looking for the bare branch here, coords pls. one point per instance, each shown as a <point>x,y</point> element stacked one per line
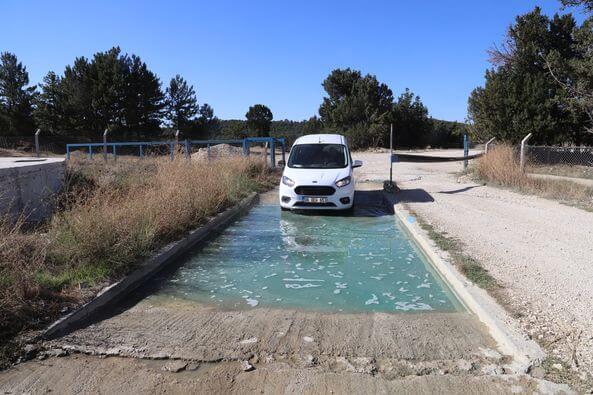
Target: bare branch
<point>503,55</point>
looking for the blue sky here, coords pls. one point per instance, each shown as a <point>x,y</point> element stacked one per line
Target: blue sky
<point>274,52</point>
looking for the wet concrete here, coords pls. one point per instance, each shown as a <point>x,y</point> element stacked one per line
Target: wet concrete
<point>83,374</point>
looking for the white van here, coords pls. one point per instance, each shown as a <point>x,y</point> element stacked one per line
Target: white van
<point>318,175</point>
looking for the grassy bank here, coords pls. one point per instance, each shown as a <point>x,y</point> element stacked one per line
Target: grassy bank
<point>500,166</point>
<point>109,218</point>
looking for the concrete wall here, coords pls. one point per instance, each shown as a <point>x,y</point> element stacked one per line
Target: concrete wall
<point>27,185</point>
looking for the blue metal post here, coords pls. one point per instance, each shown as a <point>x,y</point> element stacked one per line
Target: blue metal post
<point>90,152</point>
<point>465,151</point>
<point>283,152</point>
<point>172,148</point>
<point>114,153</point>
<point>273,152</point>
<point>187,148</point>
<point>67,151</point>
<point>141,151</point>
<point>245,147</point>
<point>208,148</point>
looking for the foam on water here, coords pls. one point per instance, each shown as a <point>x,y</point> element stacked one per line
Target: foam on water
<point>271,258</point>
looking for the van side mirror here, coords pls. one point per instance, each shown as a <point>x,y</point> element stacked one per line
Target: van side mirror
<point>357,163</point>
<point>281,163</point>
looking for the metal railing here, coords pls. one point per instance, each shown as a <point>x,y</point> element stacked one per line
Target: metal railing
<point>174,147</point>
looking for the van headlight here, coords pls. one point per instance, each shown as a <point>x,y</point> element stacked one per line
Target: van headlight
<point>343,182</point>
<point>287,181</point>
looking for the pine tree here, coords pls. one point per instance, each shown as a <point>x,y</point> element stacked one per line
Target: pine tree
<point>181,104</point>
<point>49,110</point>
<point>259,120</point>
<point>520,96</point>
<point>143,98</point>
<point>16,97</point>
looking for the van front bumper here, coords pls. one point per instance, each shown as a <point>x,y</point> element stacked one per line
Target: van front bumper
<point>341,199</point>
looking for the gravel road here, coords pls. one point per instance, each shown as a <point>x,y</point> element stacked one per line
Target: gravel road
<point>541,251</point>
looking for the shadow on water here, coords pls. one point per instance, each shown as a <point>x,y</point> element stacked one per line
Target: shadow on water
<point>372,203</point>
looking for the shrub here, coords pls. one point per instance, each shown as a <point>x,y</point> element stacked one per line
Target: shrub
<point>501,166</point>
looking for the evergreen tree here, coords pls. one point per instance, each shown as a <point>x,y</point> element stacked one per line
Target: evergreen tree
<point>588,4</point>
<point>181,104</point>
<point>77,87</point>
<point>520,96</point>
<point>143,98</point>
<point>359,107</point>
<point>49,110</point>
<point>312,126</point>
<point>16,97</point>
<point>411,123</point>
<point>259,120</point>
<point>205,125</point>
<point>112,91</point>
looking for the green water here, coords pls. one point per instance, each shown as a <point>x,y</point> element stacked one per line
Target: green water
<point>271,258</point>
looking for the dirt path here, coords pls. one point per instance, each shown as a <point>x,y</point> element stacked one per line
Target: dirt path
<point>541,251</point>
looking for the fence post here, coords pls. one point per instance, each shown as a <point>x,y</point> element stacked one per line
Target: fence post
<point>208,149</point>
<point>283,151</point>
<point>67,151</point>
<point>187,148</point>
<point>37,142</point>
<point>114,153</point>
<point>465,151</point>
<point>141,152</point>
<point>105,145</point>
<point>90,152</point>
<point>522,159</point>
<point>245,147</point>
<point>488,144</point>
<point>172,149</point>
<point>273,152</point>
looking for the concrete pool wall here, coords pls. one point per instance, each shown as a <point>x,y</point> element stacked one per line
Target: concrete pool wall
<point>27,185</point>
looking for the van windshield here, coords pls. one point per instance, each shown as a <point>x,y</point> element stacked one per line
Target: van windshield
<point>318,156</point>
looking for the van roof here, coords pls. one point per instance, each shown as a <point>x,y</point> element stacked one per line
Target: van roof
<point>321,139</point>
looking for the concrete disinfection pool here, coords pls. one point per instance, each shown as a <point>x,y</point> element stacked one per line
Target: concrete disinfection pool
<point>353,263</point>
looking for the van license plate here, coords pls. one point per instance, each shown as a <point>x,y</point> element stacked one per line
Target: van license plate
<point>308,199</point>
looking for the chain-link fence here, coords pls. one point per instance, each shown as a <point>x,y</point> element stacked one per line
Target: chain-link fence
<point>574,162</point>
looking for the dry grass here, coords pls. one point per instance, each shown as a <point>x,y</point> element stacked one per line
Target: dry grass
<point>109,218</point>
<point>500,166</point>
<point>585,172</point>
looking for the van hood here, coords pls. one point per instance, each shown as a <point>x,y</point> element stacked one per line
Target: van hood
<point>316,176</point>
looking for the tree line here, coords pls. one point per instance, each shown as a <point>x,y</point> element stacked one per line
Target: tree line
<point>113,91</point>
<point>118,92</point>
<point>362,108</point>
<point>541,82</point>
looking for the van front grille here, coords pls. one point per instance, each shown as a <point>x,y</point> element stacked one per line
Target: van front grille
<point>314,190</point>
